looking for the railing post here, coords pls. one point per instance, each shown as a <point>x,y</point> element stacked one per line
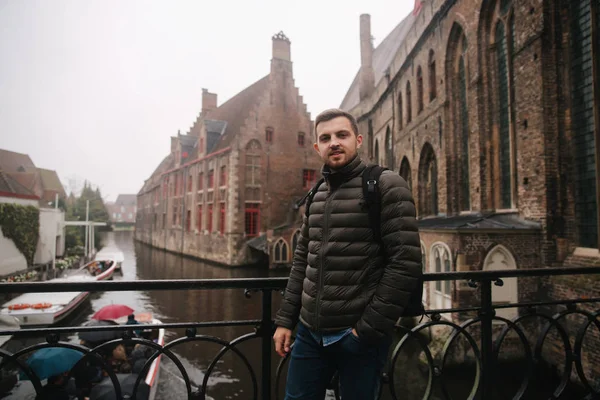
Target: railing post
<point>267,344</point>
<point>487,349</point>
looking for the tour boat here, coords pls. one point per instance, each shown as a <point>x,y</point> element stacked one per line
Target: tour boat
<point>155,335</point>
<point>99,270</point>
<point>112,254</point>
<point>43,309</point>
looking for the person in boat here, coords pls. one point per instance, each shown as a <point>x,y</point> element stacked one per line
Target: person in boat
<point>118,360</point>
<point>94,268</point>
<point>132,321</point>
<point>58,387</point>
<point>121,363</point>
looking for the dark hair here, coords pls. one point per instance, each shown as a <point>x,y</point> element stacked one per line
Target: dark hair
<point>332,113</point>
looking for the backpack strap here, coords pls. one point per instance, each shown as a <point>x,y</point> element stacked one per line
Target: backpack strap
<point>308,197</point>
<point>372,196</point>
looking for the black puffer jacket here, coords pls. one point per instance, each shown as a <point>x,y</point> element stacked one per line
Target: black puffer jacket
<point>340,277</point>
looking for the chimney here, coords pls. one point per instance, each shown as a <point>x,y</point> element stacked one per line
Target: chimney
<point>366,83</point>
<point>281,47</point>
<point>209,101</point>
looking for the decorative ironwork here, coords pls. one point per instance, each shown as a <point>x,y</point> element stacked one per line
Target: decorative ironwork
<point>476,331</point>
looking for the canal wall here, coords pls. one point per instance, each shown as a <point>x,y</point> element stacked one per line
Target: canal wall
<point>228,249</point>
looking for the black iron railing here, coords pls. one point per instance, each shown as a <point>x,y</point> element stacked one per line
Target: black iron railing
<point>483,335</point>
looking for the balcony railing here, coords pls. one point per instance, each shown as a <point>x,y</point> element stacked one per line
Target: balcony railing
<point>483,335</point>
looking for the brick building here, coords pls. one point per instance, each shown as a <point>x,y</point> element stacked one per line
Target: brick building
<point>123,211</point>
<point>236,174</point>
<point>489,109</point>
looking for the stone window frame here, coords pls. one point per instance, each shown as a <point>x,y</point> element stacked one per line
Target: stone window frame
<point>432,76</point>
<point>428,174</point>
<point>408,103</point>
<point>269,133</point>
<point>400,110</point>
<point>501,15</point>
<point>281,252</point>
<point>252,209</point>
<point>586,229</point>
<point>405,171</point>
<point>441,251</point>
<point>389,148</point>
<point>223,176</point>
<point>457,70</point>
<point>420,102</point>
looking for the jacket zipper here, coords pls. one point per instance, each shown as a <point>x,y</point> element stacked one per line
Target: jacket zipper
<point>323,245</point>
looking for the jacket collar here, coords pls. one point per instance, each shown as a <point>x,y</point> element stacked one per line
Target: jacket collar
<point>336,177</point>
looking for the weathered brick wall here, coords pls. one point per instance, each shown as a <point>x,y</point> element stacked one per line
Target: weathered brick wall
<point>279,107</point>
<point>536,98</point>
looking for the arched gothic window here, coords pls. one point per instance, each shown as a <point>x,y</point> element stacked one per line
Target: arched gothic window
<point>498,25</point>
<point>419,90</point>
<point>405,171</point>
<point>389,152</point>
<point>408,103</point>
<point>457,86</point>
<point>280,252</point>
<point>432,76</point>
<point>428,189</point>
<point>441,261</point>
<point>400,111</point>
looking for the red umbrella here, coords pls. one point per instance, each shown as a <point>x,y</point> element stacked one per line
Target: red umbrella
<point>112,311</point>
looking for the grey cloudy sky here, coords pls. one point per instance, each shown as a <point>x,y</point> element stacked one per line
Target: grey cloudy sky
<point>94,88</point>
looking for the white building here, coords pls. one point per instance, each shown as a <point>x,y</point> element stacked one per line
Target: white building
<point>51,228</point>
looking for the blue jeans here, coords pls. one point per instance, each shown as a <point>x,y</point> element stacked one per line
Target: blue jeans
<point>312,367</point>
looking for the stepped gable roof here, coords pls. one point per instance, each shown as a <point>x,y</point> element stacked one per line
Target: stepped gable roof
<point>235,111</point>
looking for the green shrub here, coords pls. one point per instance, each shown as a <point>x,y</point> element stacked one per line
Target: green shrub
<point>21,224</point>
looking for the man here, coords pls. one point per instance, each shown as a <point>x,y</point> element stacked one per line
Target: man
<point>345,289</point>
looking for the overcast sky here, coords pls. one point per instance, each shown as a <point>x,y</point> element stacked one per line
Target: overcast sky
<point>94,89</point>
